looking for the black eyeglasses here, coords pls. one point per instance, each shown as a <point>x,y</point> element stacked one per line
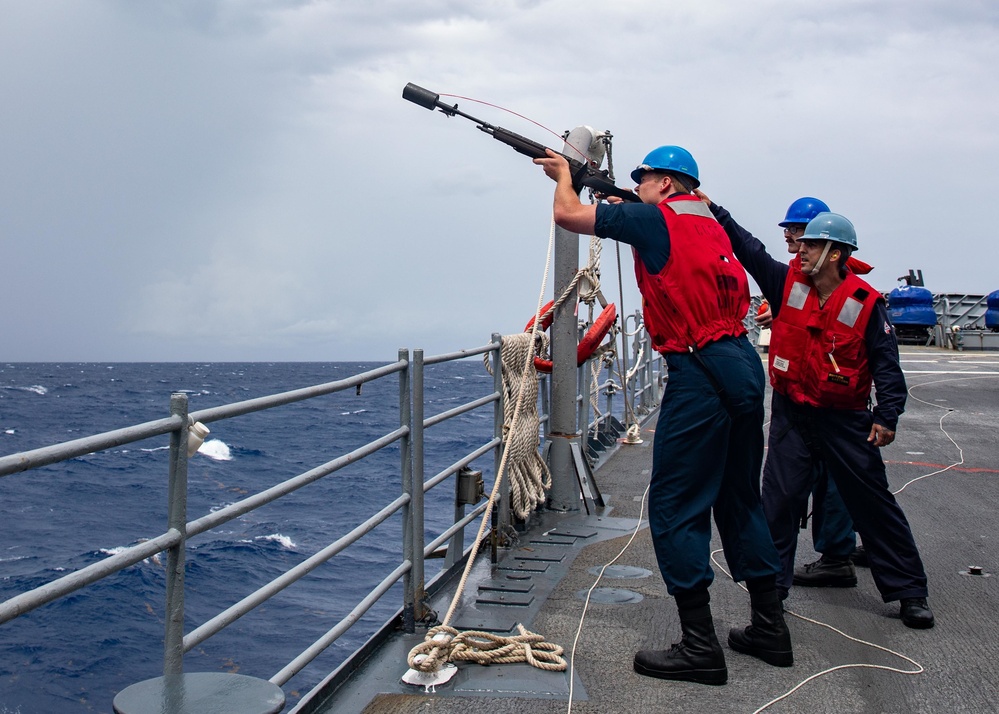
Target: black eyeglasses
<point>794,230</point>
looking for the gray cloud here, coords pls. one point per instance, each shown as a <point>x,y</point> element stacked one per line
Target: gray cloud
<point>242,180</point>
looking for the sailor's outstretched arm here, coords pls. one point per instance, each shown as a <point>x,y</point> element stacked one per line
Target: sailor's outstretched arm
<point>569,212</point>
<point>770,274</point>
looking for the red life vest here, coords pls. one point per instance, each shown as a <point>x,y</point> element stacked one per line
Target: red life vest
<point>818,356</point>
<point>702,293</point>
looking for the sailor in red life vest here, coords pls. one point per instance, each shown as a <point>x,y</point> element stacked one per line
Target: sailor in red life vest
<point>708,446</point>
<point>832,339</point>
<point>833,536</point>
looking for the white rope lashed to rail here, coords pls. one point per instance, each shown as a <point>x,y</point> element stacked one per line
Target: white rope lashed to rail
<point>528,473</point>
<point>442,643</point>
<point>529,479</point>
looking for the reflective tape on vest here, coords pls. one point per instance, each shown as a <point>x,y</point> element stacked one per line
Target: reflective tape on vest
<point>692,208</point>
<point>850,312</point>
<point>799,293</point>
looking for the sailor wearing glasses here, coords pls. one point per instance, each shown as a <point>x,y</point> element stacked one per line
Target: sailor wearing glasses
<point>831,340</point>
<point>833,536</point>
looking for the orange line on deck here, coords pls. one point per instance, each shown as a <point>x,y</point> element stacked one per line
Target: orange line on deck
<point>965,469</point>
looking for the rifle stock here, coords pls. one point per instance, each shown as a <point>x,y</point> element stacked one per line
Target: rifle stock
<point>583,174</point>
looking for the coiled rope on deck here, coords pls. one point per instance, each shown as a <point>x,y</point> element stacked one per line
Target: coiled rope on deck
<point>487,648</point>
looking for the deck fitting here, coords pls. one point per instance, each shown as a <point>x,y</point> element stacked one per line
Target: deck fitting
<point>620,572</point>
<point>610,596</point>
<point>976,571</point>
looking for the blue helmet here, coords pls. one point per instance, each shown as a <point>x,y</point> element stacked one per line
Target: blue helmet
<point>831,226</point>
<point>668,158</point>
<point>803,210</point>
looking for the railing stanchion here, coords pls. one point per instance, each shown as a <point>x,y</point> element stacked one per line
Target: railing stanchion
<point>610,402</point>
<point>544,388</point>
<point>503,518</point>
<point>419,478</point>
<point>643,369</point>
<point>173,643</point>
<point>406,456</point>
<point>583,406</point>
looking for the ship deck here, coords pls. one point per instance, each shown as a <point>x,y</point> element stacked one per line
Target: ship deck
<point>946,459</point>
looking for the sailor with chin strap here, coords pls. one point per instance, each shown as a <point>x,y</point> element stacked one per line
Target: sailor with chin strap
<point>822,259</point>
<point>831,228</point>
<point>832,341</point>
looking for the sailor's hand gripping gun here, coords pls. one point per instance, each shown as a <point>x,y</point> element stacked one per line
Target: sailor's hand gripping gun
<point>584,174</point>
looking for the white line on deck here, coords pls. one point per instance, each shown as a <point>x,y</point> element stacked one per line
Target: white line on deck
<point>946,371</point>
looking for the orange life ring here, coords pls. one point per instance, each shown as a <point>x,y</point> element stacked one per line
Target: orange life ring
<point>546,322</point>
<point>587,345</point>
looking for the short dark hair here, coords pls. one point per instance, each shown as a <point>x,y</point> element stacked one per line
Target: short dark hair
<point>845,251</point>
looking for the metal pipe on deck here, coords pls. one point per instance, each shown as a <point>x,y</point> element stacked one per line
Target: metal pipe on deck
<point>419,477</point>
<point>564,493</point>
<point>504,516</point>
<point>173,641</point>
<point>406,468</point>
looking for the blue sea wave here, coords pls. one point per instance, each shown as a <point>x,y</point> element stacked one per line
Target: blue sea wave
<point>74,654</point>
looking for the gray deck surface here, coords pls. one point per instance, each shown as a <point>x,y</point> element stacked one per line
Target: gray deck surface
<point>953,517</point>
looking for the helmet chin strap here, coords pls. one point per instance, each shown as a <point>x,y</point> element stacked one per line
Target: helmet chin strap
<point>822,259</point>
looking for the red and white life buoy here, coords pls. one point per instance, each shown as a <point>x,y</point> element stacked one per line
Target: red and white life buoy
<point>587,345</point>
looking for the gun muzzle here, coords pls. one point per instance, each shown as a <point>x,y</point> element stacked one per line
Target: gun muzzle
<point>418,95</point>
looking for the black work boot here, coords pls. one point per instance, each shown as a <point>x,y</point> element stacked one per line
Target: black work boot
<point>827,572</point>
<point>916,613</point>
<point>767,637</point>
<point>697,657</point>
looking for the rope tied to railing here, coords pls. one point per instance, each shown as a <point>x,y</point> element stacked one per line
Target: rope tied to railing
<point>435,642</point>
<point>528,472</point>
<point>446,644</point>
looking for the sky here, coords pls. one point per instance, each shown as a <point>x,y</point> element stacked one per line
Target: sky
<point>240,180</point>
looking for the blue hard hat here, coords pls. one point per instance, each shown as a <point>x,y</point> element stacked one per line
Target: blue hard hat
<point>831,226</point>
<point>668,158</point>
<point>803,210</point>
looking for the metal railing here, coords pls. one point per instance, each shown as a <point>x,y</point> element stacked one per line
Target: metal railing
<point>179,529</point>
<point>960,323</point>
<point>639,391</point>
<point>414,484</point>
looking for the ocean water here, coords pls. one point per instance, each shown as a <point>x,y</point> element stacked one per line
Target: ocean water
<point>75,654</point>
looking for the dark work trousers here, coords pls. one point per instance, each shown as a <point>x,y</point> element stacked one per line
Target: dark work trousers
<point>832,527</point>
<point>705,459</point>
<point>801,436</point>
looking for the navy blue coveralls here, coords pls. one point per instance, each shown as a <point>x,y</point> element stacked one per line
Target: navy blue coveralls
<point>704,457</point>
<point>832,527</point>
<point>801,435</point>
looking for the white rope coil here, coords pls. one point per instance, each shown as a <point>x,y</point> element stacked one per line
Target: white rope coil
<point>446,644</point>
<point>528,473</point>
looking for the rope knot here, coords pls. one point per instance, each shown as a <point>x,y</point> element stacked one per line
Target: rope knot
<point>446,644</point>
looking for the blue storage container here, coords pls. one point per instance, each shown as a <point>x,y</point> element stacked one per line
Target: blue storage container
<point>909,305</point>
<point>992,312</point>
